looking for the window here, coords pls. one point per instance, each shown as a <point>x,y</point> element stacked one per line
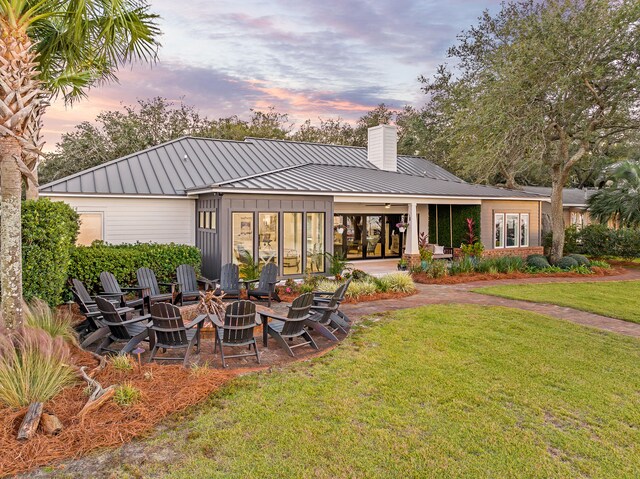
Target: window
<point>511,237</point>
<point>292,243</point>
<point>498,237</point>
<point>511,230</point>
<point>90,228</point>
<point>207,220</point>
<point>242,236</point>
<point>315,242</point>
<point>524,229</point>
<point>268,238</point>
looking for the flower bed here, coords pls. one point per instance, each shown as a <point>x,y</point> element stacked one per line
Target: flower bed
<point>164,389</point>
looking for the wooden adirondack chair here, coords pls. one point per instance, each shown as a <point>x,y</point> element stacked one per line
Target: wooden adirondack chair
<point>229,281</point>
<point>122,327</point>
<point>151,288</point>
<point>236,330</point>
<point>339,318</point>
<point>321,318</point>
<point>289,327</point>
<point>189,283</point>
<point>111,289</point>
<point>266,284</point>
<point>168,331</point>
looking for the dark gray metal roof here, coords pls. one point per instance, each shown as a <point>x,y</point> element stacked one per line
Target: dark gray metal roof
<point>570,196</point>
<point>174,167</point>
<point>315,178</point>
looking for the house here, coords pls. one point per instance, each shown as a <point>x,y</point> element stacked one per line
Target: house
<point>290,202</point>
<point>574,202</point>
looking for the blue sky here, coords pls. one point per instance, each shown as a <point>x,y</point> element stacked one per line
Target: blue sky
<point>311,59</point>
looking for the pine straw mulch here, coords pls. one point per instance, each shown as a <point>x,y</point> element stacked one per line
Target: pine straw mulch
<point>288,298</point>
<point>472,277</point>
<point>166,390</point>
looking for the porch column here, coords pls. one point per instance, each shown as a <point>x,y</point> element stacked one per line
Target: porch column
<point>412,231</point>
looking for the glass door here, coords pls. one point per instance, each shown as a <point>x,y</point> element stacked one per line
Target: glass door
<point>373,232</point>
<point>393,238</point>
<point>354,236</point>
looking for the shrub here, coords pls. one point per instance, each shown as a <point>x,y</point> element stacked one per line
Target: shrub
<point>486,266</point>
<point>337,264</point>
<point>475,249</point>
<point>88,262</point>
<point>581,259</point>
<point>437,269</point>
<point>537,261</point>
<point>597,240</point>
<point>463,265</point>
<point>329,285</point>
<point>508,264</point>
<point>566,263</point>
<point>600,264</point>
<point>248,268</point>
<point>627,243</point>
<point>122,363</point>
<point>360,288</point>
<point>49,232</point>
<point>39,315</point>
<point>357,274</point>
<point>396,282</point>
<point>126,394</point>
<point>33,366</point>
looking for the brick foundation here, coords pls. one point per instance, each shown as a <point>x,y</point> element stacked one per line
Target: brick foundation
<point>412,260</point>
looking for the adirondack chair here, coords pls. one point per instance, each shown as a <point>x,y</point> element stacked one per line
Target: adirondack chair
<point>291,326</point>
<point>323,297</point>
<point>151,292</point>
<point>229,281</point>
<point>322,315</point>
<point>236,329</point>
<point>122,327</point>
<point>188,283</point>
<point>168,331</point>
<point>111,289</point>
<point>266,284</point>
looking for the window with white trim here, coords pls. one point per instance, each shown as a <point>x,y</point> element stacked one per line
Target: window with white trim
<point>511,230</point>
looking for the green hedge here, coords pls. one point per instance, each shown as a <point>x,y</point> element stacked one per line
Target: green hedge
<point>88,262</point>
<point>49,231</point>
<point>459,226</point>
<point>598,240</point>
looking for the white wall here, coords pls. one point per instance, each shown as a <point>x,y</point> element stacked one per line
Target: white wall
<point>127,220</point>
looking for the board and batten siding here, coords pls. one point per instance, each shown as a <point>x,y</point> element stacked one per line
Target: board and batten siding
<point>147,220</point>
<point>489,207</point>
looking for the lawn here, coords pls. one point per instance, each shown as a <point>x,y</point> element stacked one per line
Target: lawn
<point>439,391</point>
<point>619,299</point>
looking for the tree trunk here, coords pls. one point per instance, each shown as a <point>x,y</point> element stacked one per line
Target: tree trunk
<point>557,219</point>
<point>31,192</point>
<point>10,233</point>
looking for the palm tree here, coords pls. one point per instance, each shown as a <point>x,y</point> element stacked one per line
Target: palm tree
<point>49,48</point>
<point>619,197</point>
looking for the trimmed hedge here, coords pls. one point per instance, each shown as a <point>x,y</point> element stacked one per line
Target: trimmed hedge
<point>49,232</point>
<point>123,260</point>
<point>566,263</point>
<point>459,226</point>
<point>598,240</point>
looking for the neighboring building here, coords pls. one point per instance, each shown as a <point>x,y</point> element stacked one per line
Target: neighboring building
<point>574,202</point>
<point>290,202</point>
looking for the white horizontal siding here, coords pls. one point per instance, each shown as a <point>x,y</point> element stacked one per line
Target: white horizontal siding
<point>127,220</point>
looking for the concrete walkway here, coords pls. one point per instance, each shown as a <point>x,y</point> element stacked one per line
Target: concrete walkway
<point>462,294</point>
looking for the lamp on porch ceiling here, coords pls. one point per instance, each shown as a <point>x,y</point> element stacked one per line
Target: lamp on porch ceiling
<point>387,205</point>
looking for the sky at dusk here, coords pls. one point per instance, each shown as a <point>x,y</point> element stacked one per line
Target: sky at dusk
<point>311,59</point>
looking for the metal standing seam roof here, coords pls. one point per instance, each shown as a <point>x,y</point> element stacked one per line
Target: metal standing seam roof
<point>188,164</point>
<point>335,179</point>
<point>570,196</point>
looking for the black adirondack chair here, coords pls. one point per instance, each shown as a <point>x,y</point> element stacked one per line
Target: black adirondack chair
<point>322,315</point>
<point>290,327</point>
<point>339,318</point>
<point>151,292</point>
<point>229,281</point>
<point>236,330</point>
<point>111,289</point>
<point>122,327</point>
<point>189,283</point>
<point>266,284</point>
<point>91,329</point>
<point>168,331</point>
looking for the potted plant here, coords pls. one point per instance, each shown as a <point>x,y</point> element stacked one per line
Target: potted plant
<point>339,229</point>
<point>402,264</point>
<point>402,226</point>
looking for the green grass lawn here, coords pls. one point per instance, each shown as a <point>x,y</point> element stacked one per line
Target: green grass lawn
<point>440,391</point>
<point>619,299</point>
